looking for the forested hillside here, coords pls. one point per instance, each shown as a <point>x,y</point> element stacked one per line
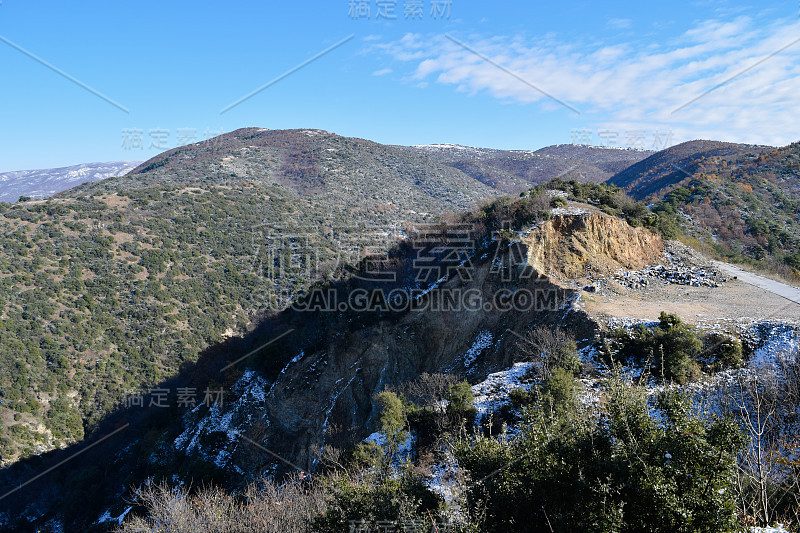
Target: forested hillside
<point>111,286</point>
<point>743,208</point>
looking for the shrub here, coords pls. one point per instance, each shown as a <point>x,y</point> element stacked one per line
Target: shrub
<point>678,346</point>
<point>366,502</point>
<point>392,420</point>
<point>285,508</point>
<point>723,351</point>
<point>461,402</point>
<point>671,347</point>
<point>560,389</point>
<point>626,472</point>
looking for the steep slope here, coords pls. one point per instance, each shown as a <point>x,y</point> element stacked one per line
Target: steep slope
<point>653,177</point>
<point>48,181</point>
<point>581,248</point>
<point>114,284</point>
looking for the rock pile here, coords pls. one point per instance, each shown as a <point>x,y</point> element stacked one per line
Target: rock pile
<point>683,266</point>
<point>677,274</point>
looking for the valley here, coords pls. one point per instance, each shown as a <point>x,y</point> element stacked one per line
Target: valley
<point>389,267</point>
<point>309,287</point>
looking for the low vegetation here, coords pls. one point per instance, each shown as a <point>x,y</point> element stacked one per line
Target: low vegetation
<point>639,463</point>
<point>672,350</point>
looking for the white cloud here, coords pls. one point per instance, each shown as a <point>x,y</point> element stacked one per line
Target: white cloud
<point>382,72</point>
<point>620,24</point>
<point>741,95</point>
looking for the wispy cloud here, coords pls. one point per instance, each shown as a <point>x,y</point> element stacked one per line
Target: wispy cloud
<point>620,24</point>
<point>735,80</point>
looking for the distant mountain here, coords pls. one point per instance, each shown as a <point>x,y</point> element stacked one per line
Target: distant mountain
<point>656,175</point>
<point>347,172</point>
<point>48,181</point>
<point>513,170</point>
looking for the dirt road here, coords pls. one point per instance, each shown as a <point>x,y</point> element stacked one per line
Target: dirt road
<point>735,304</point>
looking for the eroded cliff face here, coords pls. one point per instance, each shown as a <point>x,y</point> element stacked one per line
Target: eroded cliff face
<point>573,249</point>
<point>329,393</point>
<point>468,325</point>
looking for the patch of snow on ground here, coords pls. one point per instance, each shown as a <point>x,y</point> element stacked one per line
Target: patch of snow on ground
<point>106,516</point>
<point>781,340</point>
<point>404,452</point>
<point>336,398</point>
<point>569,211</point>
<point>445,482</point>
<point>591,392</point>
<point>588,354</point>
<point>226,418</point>
<point>483,341</point>
<point>380,439</point>
<point>629,323</point>
<point>492,393</point>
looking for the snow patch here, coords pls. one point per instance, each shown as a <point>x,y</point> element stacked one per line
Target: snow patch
<point>780,340</point>
<point>106,516</point>
<point>492,393</point>
<point>225,419</point>
<point>483,341</point>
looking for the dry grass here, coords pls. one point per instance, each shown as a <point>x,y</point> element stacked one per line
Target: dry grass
<point>286,508</point>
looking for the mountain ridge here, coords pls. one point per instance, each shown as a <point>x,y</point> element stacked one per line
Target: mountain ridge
<point>652,177</point>
<point>39,183</point>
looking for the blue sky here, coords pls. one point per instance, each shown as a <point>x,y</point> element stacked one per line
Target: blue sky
<point>518,75</point>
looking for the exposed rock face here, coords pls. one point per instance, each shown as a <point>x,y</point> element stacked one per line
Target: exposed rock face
<point>580,248</point>
<point>324,396</point>
<point>334,388</point>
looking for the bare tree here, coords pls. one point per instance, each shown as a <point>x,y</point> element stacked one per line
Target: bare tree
<point>765,402</point>
<point>548,348</point>
<point>429,390</point>
<point>756,404</point>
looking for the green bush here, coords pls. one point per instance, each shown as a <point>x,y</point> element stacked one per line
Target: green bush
<point>793,261</point>
<point>392,419</point>
<point>461,402</point>
<point>723,351</point>
<point>626,472</point>
<point>671,348</point>
<point>367,455</point>
<point>678,346</point>
<point>560,389</point>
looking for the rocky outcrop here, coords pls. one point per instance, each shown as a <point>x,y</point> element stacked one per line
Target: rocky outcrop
<point>328,395</point>
<point>574,249</point>
<point>467,325</point>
